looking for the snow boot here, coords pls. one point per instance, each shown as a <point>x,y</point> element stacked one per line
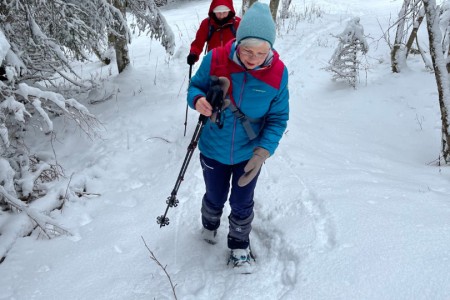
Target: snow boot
<point>209,236</point>
<point>240,258</point>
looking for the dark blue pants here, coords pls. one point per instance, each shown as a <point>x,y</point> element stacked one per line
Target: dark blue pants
<point>217,178</point>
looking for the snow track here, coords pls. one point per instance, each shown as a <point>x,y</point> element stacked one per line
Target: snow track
<point>281,196</point>
<point>342,205</point>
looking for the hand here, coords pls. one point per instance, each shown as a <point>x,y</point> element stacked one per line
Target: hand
<point>202,106</point>
<point>253,166</point>
<point>226,103</point>
<point>192,58</point>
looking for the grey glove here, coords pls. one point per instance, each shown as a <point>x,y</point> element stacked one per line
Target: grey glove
<point>253,166</point>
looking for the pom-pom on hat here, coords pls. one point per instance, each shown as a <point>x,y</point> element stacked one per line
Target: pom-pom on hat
<point>257,23</point>
<point>221,8</point>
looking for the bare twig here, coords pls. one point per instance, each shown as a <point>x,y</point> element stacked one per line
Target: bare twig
<point>153,257</point>
<point>159,138</point>
<point>65,195</point>
<point>83,194</point>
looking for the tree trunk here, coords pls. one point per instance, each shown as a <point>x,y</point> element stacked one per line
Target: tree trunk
<point>448,60</point>
<point>274,9</point>
<point>120,43</point>
<point>440,72</point>
<point>284,14</point>
<point>100,56</point>
<point>246,4</point>
<point>395,52</point>
<point>413,34</point>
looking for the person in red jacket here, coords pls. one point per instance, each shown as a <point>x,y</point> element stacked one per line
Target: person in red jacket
<point>216,30</point>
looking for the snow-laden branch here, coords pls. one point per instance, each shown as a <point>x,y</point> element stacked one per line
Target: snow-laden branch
<point>28,218</point>
<point>15,107</point>
<point>151,18</point>
<point>28,177</point>
<point>7,177</point>
<point>4,46</point>
<point>41,38</point>
<point>35,95</point>
<point>4,138</point>
<point>41,219</point>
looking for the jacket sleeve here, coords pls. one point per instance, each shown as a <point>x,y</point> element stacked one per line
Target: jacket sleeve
<point>200,38</point>
<point>199,84</point>
<point>277,117</point>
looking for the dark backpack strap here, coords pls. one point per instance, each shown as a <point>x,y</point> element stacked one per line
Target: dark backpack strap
<point>233,28</point>
<point>210,30</point>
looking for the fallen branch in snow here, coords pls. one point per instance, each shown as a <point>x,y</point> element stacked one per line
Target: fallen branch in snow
<point>33,170</point>
<point>153,257</point>
<point>24,223</point>
<point>84,194</point>
<point>38,217</point>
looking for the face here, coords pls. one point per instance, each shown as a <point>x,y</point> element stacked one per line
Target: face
<point>254,56</point>
<point>222,15</point>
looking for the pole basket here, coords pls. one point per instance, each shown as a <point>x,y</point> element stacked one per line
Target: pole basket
<point>172,201</point>
<point>162,221</point>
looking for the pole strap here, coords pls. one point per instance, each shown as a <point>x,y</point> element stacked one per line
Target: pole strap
<point>245,121</point>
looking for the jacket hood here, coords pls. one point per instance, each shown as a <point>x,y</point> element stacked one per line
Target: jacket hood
<point>227,3</point>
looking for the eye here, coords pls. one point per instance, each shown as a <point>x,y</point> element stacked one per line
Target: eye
<point>250,54</point>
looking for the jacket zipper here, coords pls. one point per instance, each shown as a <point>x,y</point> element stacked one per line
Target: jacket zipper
<point>235,120</point>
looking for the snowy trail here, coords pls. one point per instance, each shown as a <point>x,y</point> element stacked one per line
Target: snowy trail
<point>335,214</point>
<point>279,250</point>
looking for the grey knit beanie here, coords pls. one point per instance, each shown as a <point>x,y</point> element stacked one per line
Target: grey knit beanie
<point>257,23</point>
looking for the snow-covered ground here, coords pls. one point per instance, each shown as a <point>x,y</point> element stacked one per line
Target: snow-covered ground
<point>351,206</point>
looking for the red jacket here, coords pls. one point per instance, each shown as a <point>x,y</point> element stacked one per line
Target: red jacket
<point>222,33</point>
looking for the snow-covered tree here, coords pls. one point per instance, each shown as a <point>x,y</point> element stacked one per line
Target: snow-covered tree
<point>409,20</point>
<point>149,19</point>
<point>60,30</point>
<point>346,59</point>
<point>438,25</point>
<point>444,22</point>
<point>39,39</point>
<point>440,72</point>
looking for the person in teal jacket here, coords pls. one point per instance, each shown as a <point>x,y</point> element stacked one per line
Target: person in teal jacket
<point>253,124</point>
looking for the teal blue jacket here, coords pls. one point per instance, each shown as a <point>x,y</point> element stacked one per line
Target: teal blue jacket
<point>261,93</point>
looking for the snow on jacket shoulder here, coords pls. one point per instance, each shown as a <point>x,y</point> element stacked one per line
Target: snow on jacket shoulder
<point>260,94</point>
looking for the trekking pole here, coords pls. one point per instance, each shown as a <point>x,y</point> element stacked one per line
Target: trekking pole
<point>215,96</point>
<point>172,200</point>
<point>187,106</point>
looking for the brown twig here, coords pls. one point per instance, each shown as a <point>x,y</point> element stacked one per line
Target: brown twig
<point>153,257</point>
<point>160,138</point>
